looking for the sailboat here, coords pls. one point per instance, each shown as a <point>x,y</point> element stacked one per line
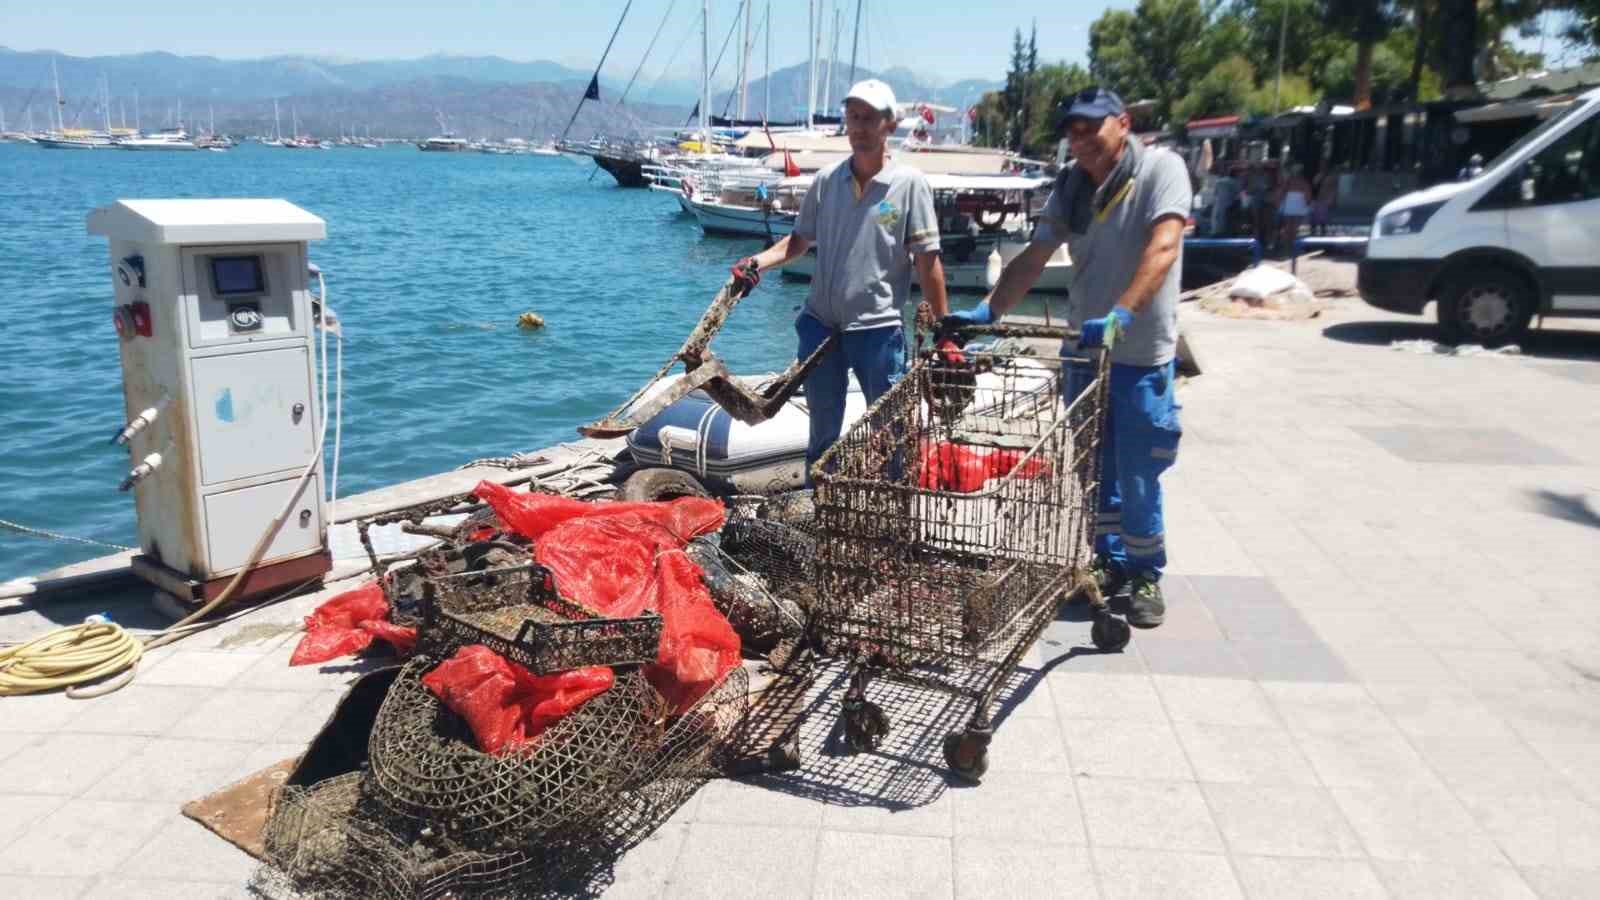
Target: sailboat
<point>69,139</point>
<point>445,142</point>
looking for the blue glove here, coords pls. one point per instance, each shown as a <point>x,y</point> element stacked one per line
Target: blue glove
<point>1105,332</point>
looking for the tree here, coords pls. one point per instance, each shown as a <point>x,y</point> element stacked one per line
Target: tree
<point>1155,51</point>
<point>1221,92</point>
<point>1016,85</point>
<point>1367,22</point>
<point>1047,88</point>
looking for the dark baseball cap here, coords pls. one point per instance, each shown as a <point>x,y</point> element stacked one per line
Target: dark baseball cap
<point>1089,103</point>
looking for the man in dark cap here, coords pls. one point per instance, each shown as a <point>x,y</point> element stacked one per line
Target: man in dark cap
<point>1120,208</point>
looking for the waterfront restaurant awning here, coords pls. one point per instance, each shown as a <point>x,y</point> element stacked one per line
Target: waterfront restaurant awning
<point>1541,107</point>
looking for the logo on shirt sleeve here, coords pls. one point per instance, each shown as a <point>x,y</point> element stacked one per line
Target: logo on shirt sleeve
<point>887,213</point>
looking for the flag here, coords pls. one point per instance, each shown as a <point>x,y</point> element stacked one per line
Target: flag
<point>593,93</point>
<point>972,114</point>
<point>789,167</point>
<point>770,142</point>
<point>927,115</point>
<point>696,111</point>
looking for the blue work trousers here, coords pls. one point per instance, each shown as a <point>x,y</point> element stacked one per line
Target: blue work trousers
<point>1141,441</point>
<point>876,355</point>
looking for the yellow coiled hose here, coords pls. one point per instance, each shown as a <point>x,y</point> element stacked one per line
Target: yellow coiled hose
<point>68,657</point>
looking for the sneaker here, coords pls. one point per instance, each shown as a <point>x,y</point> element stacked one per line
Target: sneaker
<point>1109,576</point>
<point>1146,607</point>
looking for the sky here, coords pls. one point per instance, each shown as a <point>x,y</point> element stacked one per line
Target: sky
<point>946,39</point>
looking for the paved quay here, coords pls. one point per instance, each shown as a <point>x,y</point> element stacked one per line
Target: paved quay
<point>1379,676</point>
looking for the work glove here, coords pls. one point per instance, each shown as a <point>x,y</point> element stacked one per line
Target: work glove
<point>747,273</point>
<point>1105,332</point>
<point>952,323</point>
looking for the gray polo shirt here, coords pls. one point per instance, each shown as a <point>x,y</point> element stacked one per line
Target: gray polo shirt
<point>864,243</point>
<point>1105,257</point>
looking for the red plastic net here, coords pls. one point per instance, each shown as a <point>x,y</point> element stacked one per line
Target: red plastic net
<point>506,705</point>
<point>348,623</point>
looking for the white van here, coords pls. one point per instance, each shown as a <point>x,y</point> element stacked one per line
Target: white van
<point>1521,238</point>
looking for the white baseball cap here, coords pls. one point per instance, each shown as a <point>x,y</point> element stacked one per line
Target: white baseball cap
<point>875,94</point>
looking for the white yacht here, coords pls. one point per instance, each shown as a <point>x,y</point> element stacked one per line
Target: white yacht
<point>168,139</point>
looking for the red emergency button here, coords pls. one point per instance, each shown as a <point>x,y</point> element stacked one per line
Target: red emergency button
<point>141,318</point>
<point>123,320</point>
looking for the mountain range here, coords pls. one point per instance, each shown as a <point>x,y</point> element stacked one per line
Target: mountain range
<point>475,96</point>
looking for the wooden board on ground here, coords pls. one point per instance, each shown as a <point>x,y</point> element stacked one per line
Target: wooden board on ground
<point>238,812</point>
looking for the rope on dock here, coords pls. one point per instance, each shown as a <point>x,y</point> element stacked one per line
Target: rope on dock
<point>40,532</point>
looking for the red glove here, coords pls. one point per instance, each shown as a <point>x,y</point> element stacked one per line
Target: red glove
<point>747,273</point>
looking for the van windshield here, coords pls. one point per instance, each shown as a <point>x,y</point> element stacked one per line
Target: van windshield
<point>1575,108</point>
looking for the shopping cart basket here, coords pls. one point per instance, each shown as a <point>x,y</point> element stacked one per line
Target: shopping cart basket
<point>953,517</point>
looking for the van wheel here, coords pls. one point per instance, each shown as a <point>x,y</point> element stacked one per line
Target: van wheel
<point>646,485</point>
<point>1485,306</point>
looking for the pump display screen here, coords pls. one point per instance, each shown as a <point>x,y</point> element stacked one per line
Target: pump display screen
<point>237,275</point>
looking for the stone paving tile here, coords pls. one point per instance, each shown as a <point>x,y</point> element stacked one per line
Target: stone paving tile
<point>1258,756</point>
<point>1436,881</point>
<point>727,801</point>
<point>1028,745</point>
<point>1385,664</point>
<point>1579,762</point>
<point>12,742</point>
<point>1101,696</point>
<point>1115,749</point>
<point>1328,709</point>
<point>1471,446</point>
<point>185,850</point>
<point>1438,710</point>
<point>1214,701</point>
<point>66,763</point>
<point>138,709</point>
<point>240,715</point>
<point>1308,879</point>
<point>1549,715</point>
<point>1491,765</point>
<point>739,861</point>
<point>1540,828</point>
<point>642,872</point>
<point>987,868</point>
<point>39,713</point>
<point>1281,820</point>
<point>1560,884</point>
<point>888,866</point>
<point>1358,760</point>
<point>1500,671</point>
<point>1415,822</point>
<point>1155,875</point>
<point>172,770</point>
<point>1153,815</point>
<point>20,811</point>
<point>118,888</point>
<point>84,838</point>
<point>1204,659</point>
<point>43,887</point>
<point>1019,806</point>
<point>936,819</point>
<point>1291,661</point>
<point>304,723</point>
<point>199,668</point>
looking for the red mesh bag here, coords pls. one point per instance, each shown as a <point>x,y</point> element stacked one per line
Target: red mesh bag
<point>954,467</point>
<point>505,705</point>
<point>347,624</point>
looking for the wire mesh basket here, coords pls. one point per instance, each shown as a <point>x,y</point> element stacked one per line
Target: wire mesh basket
<point>425,764</point>
<point>515,612</point>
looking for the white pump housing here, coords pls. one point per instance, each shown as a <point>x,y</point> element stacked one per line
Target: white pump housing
<point>214,319</point>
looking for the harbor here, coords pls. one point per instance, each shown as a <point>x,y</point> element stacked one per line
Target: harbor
<point>460,513</point>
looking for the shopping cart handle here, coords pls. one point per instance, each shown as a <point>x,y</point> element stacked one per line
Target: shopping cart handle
<point>1053,332</point>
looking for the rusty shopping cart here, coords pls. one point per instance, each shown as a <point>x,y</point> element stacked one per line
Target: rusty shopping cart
<point>954,516</point>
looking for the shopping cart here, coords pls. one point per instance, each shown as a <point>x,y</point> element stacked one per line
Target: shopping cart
<point>954,516</point>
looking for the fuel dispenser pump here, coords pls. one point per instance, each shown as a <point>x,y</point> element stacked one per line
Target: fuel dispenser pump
<point>218,334</point>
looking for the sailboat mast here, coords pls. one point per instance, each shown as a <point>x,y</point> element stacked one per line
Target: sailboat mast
<point>811,47</point>
<point>137,124</point>
<point>766,109</point>
<point>277,130</point>
<point>61,121</point>
<point>744,66</point>
<point>855,41</point>
<point>705,74</point>
<point>827,83</point>
<point>595,81</point>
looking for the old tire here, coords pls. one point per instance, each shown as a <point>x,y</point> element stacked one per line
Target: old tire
<point>647,485</point>
<point>1485,305</point>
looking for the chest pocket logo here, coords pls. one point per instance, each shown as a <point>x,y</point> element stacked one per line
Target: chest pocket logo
<point>887,214</point>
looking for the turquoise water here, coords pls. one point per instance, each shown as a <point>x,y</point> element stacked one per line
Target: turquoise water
<point>429,259</point>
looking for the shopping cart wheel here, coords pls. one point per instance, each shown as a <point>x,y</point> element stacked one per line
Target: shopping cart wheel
<point>1109,633</point>
<point>967,753</point>
<point>865,724</point>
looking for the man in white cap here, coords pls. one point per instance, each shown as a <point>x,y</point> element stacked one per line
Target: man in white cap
<point>869,219</point>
